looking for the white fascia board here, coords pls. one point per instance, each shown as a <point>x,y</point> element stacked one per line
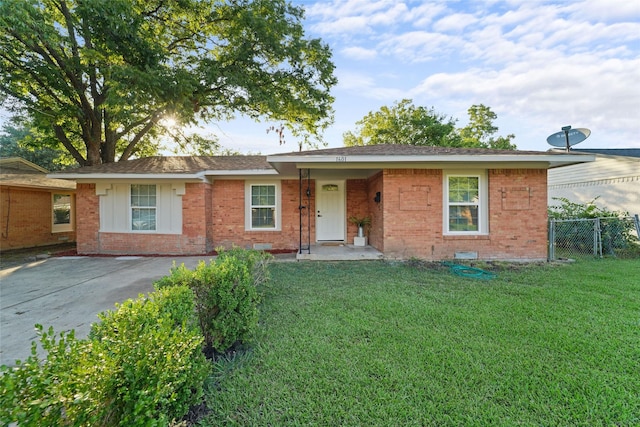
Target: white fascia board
<point>126,176</point>
<point>250,172</point>
<point>350,161</point>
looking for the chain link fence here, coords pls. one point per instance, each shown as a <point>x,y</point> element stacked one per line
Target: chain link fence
<point>594,237</point>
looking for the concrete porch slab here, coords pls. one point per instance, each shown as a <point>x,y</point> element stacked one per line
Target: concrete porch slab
<point>340,252</point>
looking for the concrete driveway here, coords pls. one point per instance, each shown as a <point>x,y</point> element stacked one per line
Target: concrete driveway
<point>68,293</point>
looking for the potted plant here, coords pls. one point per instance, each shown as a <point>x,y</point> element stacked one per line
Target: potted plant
<point>361,223</point>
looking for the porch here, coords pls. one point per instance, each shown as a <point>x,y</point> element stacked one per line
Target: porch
<point>339,251</point>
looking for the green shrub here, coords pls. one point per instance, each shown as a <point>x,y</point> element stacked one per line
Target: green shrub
<point>226,294</point>
<point>48,392</point>
<point>141,365</point>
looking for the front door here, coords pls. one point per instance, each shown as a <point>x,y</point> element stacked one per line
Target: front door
<point>330,210</point>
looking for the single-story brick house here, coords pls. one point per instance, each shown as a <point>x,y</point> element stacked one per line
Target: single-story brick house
<point>34,210</point>
<point>425,202</point>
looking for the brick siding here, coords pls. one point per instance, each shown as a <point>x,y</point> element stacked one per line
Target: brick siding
<point>407,222</point>
<point>26,219</point>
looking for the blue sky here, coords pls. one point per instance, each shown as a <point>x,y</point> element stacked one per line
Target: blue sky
<point>539,65</point>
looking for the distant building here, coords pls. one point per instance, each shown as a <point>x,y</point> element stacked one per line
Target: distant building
<point>614,178</point>
<point>34,210</point>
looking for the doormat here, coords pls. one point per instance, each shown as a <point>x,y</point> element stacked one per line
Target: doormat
<point>332,244</point>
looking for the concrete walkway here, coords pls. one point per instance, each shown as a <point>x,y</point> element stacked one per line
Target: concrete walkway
<point>68,293</point>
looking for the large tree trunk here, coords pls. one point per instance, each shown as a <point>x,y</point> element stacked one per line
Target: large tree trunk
<point>94,156</point>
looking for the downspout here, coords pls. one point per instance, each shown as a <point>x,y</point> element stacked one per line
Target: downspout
<point>5,234</point>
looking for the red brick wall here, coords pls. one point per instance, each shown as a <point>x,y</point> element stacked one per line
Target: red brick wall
<point>195,238</point>
<point>357,205</point>
<point>406,223</point>
<point>412,206</point>
<point>517,216</point>
<point>376,210</point>
<point>87,218</point>
<point>26,219</point>
<point>228,214</point>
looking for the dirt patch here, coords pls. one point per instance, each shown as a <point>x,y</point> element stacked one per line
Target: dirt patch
<point>16,257</point>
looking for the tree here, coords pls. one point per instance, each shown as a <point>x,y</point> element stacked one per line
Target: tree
<point>404,123</point>
<point>17,141</point>
<point>480,130</point>
<point>101,76</point>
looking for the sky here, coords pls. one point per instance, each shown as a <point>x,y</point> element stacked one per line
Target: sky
<point>539,65</point>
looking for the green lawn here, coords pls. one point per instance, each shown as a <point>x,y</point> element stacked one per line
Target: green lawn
<point>392,344</point>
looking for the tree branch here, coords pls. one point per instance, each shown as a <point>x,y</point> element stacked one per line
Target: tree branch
<point>62,136</point>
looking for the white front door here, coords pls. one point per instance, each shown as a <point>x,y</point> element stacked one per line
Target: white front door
<point>330,210</point>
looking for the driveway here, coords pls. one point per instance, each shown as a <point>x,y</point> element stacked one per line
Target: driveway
<point>68,293</point>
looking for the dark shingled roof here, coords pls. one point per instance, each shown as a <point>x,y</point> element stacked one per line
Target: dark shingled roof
<point>406,150</point>
<point>177,165</point>
<point>33,179</point>
<point>625,152</point>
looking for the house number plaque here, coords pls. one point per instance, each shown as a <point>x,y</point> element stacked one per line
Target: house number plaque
<point>341,159</point>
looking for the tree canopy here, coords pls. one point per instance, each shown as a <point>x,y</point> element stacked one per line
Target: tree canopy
<point>405,123</point>
<point>16,141</point>
<point>103,76</point>
<point>480,130</point>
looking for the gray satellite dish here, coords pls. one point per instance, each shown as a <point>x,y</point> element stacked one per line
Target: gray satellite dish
<point>568,137</point>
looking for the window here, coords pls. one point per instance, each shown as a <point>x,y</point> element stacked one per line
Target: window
<point>465,204</point>
<point>263,206</point>
<point>143,207</point>
<point>61,212</point>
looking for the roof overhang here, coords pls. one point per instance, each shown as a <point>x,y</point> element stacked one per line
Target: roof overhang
<point>194,177</point>
<point>288,163</point>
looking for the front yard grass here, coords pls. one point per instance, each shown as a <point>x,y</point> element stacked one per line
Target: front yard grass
<point>386,344</point>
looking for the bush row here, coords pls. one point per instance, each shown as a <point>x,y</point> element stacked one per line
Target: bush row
<point>226,294</point>
<point>143,363</point>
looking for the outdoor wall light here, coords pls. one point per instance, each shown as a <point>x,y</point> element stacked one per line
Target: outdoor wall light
<point>377,198</point>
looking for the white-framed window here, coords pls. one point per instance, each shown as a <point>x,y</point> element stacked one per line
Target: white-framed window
<point>62,212</point>
<point>262,206</point>
<point>465,203</point>
<point>143,207</point>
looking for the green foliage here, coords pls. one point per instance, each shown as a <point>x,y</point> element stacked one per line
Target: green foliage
<point>480,130</point>
<point>571,210</point>
<point>100,76</point>
<point>142,365</point>
<point>617,231</point>
<point>404,123</point>
<point>18,139</point>
<point>150,352</point>
<point>407,124</point>
<point>226,294</point>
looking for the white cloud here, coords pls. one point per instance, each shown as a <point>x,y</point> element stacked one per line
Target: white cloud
<point>455,22</point>
<point>419,46</point>
<point>356,52</point>
<point>366,86</point>
<point>607,10</point>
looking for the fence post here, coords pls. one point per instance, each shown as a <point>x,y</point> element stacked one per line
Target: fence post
<point>636,220</point>
<point>552,239</point>
<point>597,238</point>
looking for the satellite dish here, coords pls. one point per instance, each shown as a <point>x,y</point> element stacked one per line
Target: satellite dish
<point>568,137</point>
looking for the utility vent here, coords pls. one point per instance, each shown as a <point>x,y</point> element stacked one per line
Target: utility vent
<point>465,255</point>
<point>262,246</point>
